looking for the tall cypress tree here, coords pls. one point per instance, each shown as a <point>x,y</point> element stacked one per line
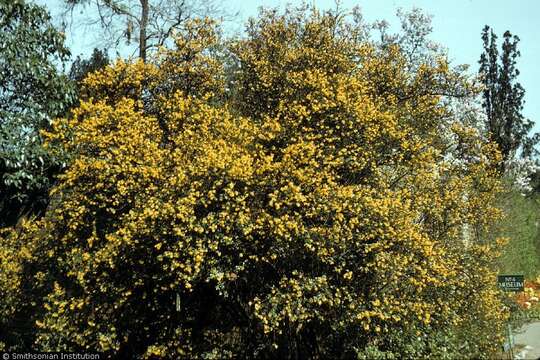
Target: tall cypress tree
<point>503,98</point>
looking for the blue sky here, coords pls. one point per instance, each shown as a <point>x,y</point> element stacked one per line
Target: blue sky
<point>456,25</point>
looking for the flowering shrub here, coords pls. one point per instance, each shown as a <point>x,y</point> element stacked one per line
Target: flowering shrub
<point>308,211</point>
<point>529,298</point>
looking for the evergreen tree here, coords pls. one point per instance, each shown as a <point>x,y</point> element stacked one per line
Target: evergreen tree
<point>82,67</point>
<point>503,98</point>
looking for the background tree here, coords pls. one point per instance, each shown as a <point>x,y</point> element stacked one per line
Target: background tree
<point>80,68</point>
<point>32,93</point>
<point>503,98</point>
<point>147,23</point>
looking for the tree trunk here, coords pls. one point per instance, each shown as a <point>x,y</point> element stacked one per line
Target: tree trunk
<point>142,26</point>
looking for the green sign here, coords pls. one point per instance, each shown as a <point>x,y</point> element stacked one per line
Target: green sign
<point>511,282</point>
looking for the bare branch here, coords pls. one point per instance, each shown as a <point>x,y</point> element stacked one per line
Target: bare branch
<point>153,21</point>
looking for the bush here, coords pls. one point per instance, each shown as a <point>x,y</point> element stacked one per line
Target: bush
<point>304,205</point>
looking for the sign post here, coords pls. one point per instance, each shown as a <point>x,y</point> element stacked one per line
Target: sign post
<point>510,283</point>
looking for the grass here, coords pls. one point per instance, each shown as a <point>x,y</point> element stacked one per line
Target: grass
<point>522,227</point>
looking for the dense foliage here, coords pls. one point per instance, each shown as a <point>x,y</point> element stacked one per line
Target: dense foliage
<point>311,196</point>
<point>81,67</point>
<point>32,92</point>
<point>503,98</point>
<point>520,225</point>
